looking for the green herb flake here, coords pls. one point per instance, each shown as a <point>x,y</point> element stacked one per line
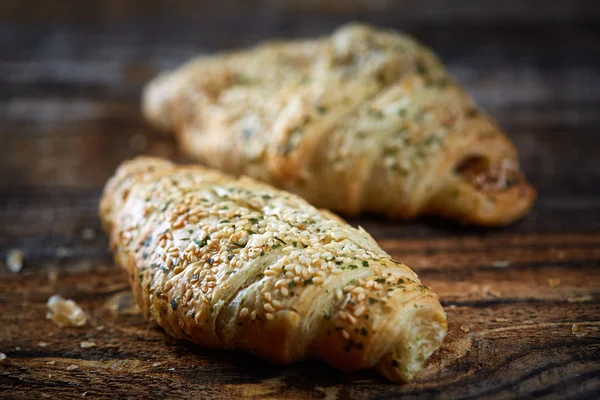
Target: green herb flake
<point>292,284</point>
<point>276,238</point>
<point>373,300</point>
<point>365,263</point>
<point>380,280</point>
<point>308,281</point>
<point>174,304</point>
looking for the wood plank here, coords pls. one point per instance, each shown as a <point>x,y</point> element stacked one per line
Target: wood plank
<point>530,345</point>
<point>70,78</point>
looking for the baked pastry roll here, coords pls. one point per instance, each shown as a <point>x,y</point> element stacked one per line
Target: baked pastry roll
<point>237,264</point>
<point>366,120</point>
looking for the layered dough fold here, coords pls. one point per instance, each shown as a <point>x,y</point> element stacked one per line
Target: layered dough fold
<point>365,120</point>
<point>237,264</point>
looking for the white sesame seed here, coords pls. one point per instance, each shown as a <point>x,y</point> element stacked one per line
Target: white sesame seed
<point>269,316</point>
<point>277,304</point>
<point>284,291</point>
<point>359,311</point>
<point>244,312</point>
<point>345,334</point>
<point>351,319</point>
<point>280,282</point>
<point>342,315</point>
<point>268,307</point>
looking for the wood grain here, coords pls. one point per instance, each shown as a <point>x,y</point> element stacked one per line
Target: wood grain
<point>70,80</point>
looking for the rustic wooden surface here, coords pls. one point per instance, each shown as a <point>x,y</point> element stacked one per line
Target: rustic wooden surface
<point>70,78</point>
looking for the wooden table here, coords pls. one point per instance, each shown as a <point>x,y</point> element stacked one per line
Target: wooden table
<point>70,78</point>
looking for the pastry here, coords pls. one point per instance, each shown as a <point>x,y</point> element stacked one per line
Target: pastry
<point>237,264</point>
<point>366,120</point>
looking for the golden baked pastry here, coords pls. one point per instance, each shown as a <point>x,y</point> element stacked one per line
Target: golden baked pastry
<point>363,120</point>
<point>237,264</point>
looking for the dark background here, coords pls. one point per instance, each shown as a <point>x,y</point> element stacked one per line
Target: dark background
<point>70,79</point>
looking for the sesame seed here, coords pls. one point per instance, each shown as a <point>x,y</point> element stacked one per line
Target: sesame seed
<point>351,319</point>
<point>284,291</point>
<point>268,297</point>
<point>244,312</point>
<point>269,316</point>
<point>342,315</point>
<point>345,334</point>
<point>358,311</point>
<point>268,307</point>
<point>253,315</point>
<point>277,304</point>
<point>281,282</point>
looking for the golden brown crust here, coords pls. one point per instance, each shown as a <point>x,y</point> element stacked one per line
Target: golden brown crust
<point>234,263</point>
<point>363,120</point>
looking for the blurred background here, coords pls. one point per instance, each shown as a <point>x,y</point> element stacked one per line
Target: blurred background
<point>71,73</point>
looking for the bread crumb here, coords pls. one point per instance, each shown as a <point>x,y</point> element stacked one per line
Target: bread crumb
<point>88,234</point>
<point>42,344</point>
<point>155,364</point>
<point>66,312</point>
<point>87,345</point>
<point>579,331</point>
<point>51,362</point>
<point>14,261</point>
<point>465,328</point>
<point>553,282</point>
<point>501,264</point>
<point>579,299</point>
<point>72,367</point>
<point>4,360</point>
<point>62,252</point>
